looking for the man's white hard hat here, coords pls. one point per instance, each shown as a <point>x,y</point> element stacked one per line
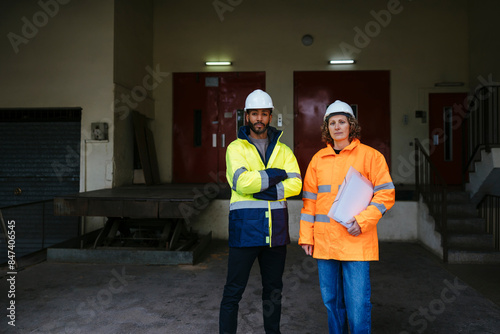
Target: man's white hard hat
<point>258,99</point>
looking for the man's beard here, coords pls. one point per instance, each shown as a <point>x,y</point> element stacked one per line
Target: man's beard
<point>264,129</point>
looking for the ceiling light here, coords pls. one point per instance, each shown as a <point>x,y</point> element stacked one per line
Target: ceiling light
<point>218,63</point>
<point>341,61</point>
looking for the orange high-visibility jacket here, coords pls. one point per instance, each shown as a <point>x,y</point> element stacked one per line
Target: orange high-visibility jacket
<point>323,178</point>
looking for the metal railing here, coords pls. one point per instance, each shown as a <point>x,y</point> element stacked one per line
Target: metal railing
<point>433,189</point>
<point>481,130</point>
<point>489,210</point>
<point>35,227</point>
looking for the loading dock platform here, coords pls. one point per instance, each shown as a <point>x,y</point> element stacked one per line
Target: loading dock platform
<point>146,224</point>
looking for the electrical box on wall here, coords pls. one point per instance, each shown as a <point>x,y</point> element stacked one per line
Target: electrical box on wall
<point>99,131</point>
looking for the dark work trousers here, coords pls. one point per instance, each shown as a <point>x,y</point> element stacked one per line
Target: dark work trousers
<point>239,264</point>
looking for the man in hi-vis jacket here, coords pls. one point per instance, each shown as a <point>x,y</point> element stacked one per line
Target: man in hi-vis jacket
<point>262,172</point>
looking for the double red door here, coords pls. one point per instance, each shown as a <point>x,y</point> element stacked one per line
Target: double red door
<point>208,109</point>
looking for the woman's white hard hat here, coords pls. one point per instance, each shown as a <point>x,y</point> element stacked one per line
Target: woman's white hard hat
<point>338,107</point>
<point>258,99</point>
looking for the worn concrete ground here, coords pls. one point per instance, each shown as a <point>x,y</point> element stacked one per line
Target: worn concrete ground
<point>412,292</point>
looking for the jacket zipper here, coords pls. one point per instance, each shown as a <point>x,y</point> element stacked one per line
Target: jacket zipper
<point>270,223</point>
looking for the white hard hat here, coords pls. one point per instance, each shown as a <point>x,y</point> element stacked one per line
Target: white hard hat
<point>338,107</point>
<point>258,99</point>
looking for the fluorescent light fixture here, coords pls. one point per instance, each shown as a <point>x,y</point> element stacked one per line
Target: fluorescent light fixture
<point>218,63</point>
<point>341,61</point>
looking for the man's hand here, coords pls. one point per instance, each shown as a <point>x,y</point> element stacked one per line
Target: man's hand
<point>308,249</point>
<point>355,229</point>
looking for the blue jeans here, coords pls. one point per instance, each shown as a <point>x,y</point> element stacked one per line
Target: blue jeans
<point>239,264</point>
<point>346,290</point>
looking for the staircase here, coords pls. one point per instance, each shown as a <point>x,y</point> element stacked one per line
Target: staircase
<point>467,240</point>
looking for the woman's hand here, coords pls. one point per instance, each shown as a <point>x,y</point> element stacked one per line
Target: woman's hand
<point>355,229</point>
<point>308,249</point>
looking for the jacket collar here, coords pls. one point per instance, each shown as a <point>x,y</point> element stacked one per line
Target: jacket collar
<point>272,133</point>
<point>354,143</point>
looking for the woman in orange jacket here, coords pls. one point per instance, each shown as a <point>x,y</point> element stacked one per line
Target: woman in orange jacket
<point>343,254</point>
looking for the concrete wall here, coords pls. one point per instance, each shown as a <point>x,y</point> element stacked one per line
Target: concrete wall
<point>133,61</point>
<point>60,54</point>
<point>421,42</point>
<point>486,176</point>
<point>427,234</point>
<point>398,224</point>
<point>484,48</point>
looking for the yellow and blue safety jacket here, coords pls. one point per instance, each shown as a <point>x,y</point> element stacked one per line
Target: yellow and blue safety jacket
<point>258,212</point>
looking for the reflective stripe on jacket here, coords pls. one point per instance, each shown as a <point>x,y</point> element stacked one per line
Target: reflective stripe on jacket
<point>258,213</point>
<point>324,175</point>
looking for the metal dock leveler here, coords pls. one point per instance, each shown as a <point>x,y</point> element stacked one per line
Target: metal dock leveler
<point>145,225</point>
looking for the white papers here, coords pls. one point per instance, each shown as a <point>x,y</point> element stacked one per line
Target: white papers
<point>354,195</point>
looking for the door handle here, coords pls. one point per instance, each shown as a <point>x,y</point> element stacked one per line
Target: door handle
<point>214,140</point>
<point>223,140</point>
<point>436,140</point>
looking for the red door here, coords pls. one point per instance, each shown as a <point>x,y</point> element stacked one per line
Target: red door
<point>205,121</point>
<point>445,131</point>
<point>368,92</point>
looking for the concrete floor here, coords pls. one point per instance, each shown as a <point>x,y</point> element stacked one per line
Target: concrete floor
<point>412,292</point>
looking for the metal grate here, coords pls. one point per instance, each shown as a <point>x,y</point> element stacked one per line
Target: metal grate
<point>41,115</point>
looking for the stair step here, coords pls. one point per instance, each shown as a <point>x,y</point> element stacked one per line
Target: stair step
<point>461,215</point>
<point>458,196</point>
<point>461,225</point>
<point>478,257</point>
<point>479,242</point>
<point>461,209</point>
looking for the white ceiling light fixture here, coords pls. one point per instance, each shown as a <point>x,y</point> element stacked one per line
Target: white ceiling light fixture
<point>218,63</point>
<point>341,62</point>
